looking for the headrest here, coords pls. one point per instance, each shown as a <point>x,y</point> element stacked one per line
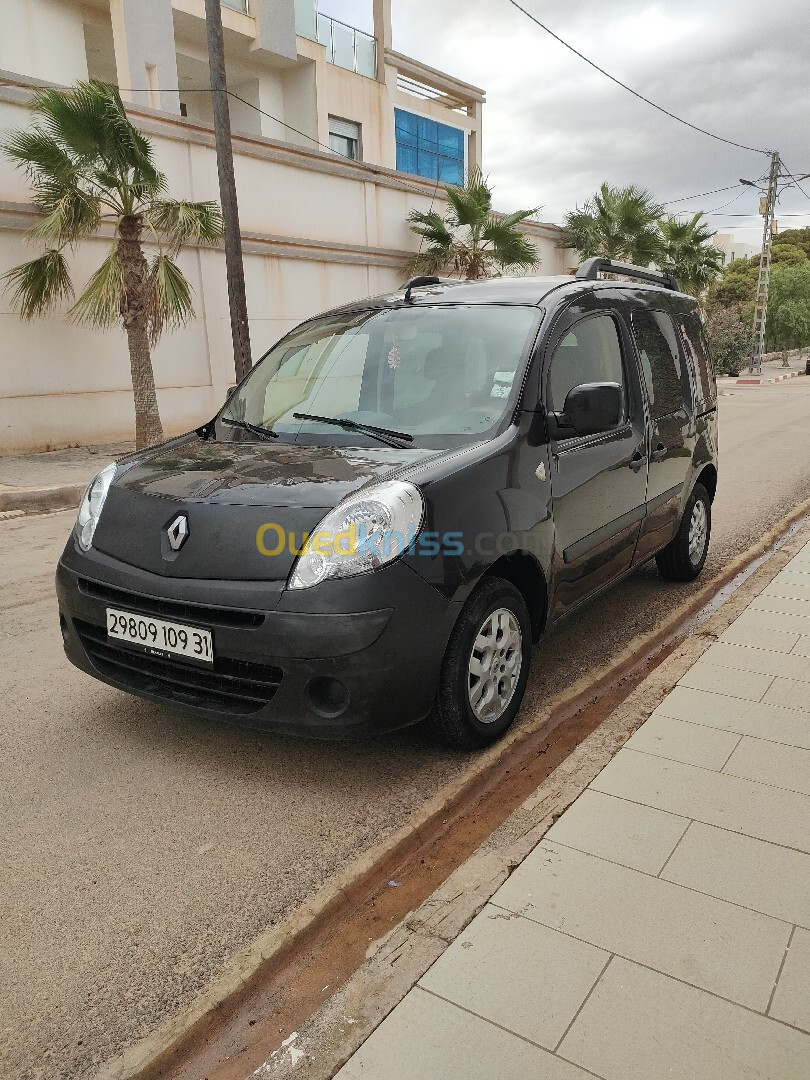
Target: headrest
<point>439,362</point>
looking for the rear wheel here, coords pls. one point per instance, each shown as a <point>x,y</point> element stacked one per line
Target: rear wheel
<point>683,557</point>
<point>485,668</point>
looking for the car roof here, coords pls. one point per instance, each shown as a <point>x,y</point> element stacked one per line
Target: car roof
<point>517,291</point>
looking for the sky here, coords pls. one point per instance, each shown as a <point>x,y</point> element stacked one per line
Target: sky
<point>554,128</point>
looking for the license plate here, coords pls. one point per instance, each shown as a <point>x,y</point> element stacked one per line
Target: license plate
<point>160,637</point>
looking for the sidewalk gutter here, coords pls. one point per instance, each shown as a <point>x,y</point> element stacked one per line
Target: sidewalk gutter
<point>255,972</point>
<point>37,500</point>
<point>324,1043</point>
<point>759,380</point>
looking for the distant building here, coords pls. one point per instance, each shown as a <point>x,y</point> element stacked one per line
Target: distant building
<point>733,248</point>
<point>337,137</point>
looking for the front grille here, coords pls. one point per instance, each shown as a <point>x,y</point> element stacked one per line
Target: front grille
<point>171,609</point>
<point>229,686</point>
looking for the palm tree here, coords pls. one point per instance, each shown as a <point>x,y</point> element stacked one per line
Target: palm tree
<point>688,254</point>
<point>616,223</point>
<point>88,165</point>
<point>470,240</point>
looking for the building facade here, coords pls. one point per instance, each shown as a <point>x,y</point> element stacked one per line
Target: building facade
<point>336,138</point>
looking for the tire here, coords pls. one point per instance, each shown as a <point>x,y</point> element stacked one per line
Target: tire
<point>680,561</point>
<point>495,611</point>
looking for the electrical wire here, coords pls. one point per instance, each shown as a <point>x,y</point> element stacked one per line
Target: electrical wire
<point>701,194</point>
<point>635,93</point>
<point>795,181</point>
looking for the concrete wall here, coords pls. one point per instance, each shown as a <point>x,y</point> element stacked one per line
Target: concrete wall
<point>317,231</point>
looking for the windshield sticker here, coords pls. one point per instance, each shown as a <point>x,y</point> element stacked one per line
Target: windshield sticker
<point>502,384</point>
<point>394,357</point>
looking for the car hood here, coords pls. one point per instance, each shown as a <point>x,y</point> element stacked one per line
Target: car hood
<point>227,492</point>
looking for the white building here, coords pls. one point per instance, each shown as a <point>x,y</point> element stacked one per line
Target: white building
<point>733,248</point>
<point>337,137</point>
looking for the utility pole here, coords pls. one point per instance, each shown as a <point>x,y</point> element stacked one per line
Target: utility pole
<point>227,191</point>
<point>767,208</point>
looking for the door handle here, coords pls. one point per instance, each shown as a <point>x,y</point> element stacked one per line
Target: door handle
<point>659,453</point>
<point>637,460</point>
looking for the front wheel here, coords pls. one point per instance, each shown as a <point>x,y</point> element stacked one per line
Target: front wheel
<point>683,557</point>
<point>485,667</point>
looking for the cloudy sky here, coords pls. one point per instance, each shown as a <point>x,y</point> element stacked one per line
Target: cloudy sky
<point>554,128</point>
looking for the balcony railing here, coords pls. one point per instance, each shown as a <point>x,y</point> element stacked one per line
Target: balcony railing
<point>346,47</point>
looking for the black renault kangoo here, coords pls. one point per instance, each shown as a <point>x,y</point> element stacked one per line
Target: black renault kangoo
<point>397,500</point>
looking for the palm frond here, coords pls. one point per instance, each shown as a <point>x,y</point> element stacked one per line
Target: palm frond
<point>471,204</point>
<point>183,222</point>
<point>68,214</point>
<point>38,286</point>
<point>100,303</point>
<point>510,247</point>
<point>168,297</point>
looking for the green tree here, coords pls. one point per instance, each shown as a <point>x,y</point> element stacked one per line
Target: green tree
<point>470,240</point>
<point>787,254</point>
<point>788,324</point>
<point>737,283</point>
<point>88,165</point>
<point>728,329</point>
<point>616,223</point>
<point>688,253</point>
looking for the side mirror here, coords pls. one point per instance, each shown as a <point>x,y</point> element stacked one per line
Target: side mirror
<point>589,409</point>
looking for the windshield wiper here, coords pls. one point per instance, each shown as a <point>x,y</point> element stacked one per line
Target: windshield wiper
<point>385,435</point>
<point>263,432</point>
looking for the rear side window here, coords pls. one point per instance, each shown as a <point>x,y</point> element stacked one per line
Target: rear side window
<point>697,348</point>
<point>589,352</point>
<point>660,361</point>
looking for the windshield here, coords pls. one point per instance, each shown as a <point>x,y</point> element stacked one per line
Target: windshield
<point>439,377</point>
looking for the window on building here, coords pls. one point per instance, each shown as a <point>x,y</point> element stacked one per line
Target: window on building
<point>344,138</point>
<point>430,149</point>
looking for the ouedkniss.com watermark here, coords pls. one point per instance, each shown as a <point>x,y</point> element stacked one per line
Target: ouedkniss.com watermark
<point>358,540</point>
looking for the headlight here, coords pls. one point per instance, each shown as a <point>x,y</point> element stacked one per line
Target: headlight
<point>362,533</point>
<point>91,506</point>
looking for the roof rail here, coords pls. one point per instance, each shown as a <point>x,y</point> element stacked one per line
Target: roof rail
<point>591,268</point>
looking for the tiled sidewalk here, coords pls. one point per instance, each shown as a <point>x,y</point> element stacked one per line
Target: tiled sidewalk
<point>662,927</point>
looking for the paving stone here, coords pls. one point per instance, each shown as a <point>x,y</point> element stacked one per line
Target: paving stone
<point>771,763</point>
<point>729,802</point>
<point>639,1025</point>
<point>782,604</point>
<point>754,637</point>
<point>802,646</point>
<point>555,974</point>
<point>681,741</point>
<point>790,586</point>
<point>762,661</point>
<point>788,693</point>
<point>624,832</point>
<point>709,942</point>
<point>425,1038</point>
<point>748,685</point>
<point>774,620</point>
<point>791,1002</point>
<point>764,877</point>
<point>772,722</point>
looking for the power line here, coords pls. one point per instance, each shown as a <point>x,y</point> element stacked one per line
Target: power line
<point>795,181</point>
<point>635,93</point>
<point>701,194</point>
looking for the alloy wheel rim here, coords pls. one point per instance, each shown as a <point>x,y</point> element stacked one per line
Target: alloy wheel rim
<point>494,666</point>
<point>698,532</point>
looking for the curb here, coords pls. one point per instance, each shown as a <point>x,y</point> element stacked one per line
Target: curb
<point>34,500</point>
<point>758,380</point>
<point>159,1054</point>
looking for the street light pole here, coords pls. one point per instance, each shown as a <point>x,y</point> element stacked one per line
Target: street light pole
<point>764,278</point>
<point>227,191</point>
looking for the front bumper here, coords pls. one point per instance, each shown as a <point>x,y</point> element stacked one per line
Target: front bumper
<point>345,659</point>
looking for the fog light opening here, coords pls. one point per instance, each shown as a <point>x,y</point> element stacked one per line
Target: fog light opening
<point>63,626</point>
<point>328,696</point>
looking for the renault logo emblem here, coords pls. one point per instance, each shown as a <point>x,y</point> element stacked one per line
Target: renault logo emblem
<point>178,532</point>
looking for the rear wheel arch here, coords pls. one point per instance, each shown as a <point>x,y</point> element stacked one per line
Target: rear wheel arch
<point>708,479</point>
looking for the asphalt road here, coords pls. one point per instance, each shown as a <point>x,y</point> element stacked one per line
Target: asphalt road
<point>141,849</point>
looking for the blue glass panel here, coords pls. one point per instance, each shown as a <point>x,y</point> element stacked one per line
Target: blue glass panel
<point>451,171</point>
<point>451,141</point>
<point>428,134</point>
<point>406,127</point>
<point>428,165</point>
<point>407,159</point>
